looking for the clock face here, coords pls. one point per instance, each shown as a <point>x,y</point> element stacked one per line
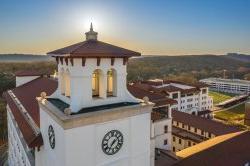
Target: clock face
<point>51,134</point>
<point>112,142</point>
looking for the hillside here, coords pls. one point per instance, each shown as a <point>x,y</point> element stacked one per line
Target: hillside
<point>240,57</point>
<point>23,58</point>
<point>197,66</point>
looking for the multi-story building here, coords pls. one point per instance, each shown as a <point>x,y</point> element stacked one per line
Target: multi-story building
<point>191,98</point>
<point>161,119</point>
<point>189,130</point>
<point>161,116</point>
<point>235,86</point>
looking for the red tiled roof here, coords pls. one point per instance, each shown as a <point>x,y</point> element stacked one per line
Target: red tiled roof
<point>158,99</point>
<point>234,151</point>
<point>152,82</point>
<point>27,94</point>
<point>191,90</point>
<point>92,49</point>
<point>168,88</point>
<point>171,88</point>
<point>207,125</point>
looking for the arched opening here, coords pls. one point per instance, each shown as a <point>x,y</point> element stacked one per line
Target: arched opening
<point>67,83</point>
<point>111,83</point>
<point>96,77</point>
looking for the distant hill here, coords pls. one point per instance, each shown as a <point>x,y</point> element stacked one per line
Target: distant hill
<point>240,57</point>
<point>199,66</point>
<point>23,58</point>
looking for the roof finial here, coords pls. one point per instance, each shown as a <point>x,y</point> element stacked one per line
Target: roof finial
<point>91,35</point>
<point>91,26</point>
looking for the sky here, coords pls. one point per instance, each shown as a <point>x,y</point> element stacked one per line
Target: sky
<point>152,27</point>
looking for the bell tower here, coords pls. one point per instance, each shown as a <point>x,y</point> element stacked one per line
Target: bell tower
<point>92,119</point>
<point>92,73</point>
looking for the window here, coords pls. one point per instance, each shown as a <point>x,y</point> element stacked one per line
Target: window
<point>96,83</point>
<point>173,138</point>
<point>189,143</point>
<point>173,149</point>
<point>202,132</point>
<point>204,91</point>
<point>209,135</point>
<point>111,83</point>
<point>189,128</point>
<point>166,129</point>
<point>195,130</point>
<point>165,142</point>
<point>183,126</point>
<point>179,141</point>
<point>175,95</point>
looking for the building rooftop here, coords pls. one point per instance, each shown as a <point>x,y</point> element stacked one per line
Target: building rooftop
<point>165,158</point>
<point>205,124</point>
<point>158,99</point>
<point>229,149</point>
<point>93,49</point>
<point>169,86</point>
<point>23,98</point>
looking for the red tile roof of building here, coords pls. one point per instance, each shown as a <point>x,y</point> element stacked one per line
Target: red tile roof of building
<point>27,94</point>
<point>169,88</point>
<point>234,151</point>
<point>204,124</point>
<point>156,98</point>
<point>93,49</point>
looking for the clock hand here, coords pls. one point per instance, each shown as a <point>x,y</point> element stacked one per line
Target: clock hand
<point>113,142</point>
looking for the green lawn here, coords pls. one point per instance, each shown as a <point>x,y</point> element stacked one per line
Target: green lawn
<point>220,96</point>
<point>236,113</point>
